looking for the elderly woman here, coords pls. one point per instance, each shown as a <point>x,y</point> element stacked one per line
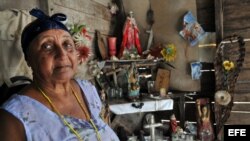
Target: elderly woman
<point>54,107</point>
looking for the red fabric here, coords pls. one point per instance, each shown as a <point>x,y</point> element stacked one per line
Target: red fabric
<point>173,125</point>
<point>205,131</point>
<point>130,37</point>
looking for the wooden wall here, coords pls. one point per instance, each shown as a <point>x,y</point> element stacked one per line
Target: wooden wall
<point>206,14</point>
<point>232,17</point>
<point>18,4</point>
<point>94,14</point>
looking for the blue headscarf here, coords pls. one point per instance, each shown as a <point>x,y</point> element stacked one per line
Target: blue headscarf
<point>41,24</point>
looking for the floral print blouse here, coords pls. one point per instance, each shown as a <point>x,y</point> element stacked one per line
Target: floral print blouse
<point>42,124</point>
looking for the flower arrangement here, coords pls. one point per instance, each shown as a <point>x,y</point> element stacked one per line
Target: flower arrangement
<point>82,41</point>
<point>169,52</point>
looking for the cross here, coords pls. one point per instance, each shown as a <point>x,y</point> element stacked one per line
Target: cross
<point>152,125</point>
<point>113,72</point>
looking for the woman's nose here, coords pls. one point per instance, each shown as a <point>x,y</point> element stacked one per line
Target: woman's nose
<point>60,52</point>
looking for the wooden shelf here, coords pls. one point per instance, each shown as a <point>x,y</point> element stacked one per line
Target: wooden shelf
<point>133,60</point>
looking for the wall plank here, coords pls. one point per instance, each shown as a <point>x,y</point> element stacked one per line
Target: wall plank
<point>86,7</point>
<point>95,15</point>
<point>232,18</point>
<point>19,4</point>
<point>91,21</point>
<point>234,118</point>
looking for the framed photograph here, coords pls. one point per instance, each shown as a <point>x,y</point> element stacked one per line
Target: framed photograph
<point>162,79</point>
<point>196,70</point>
<point>192,30</point>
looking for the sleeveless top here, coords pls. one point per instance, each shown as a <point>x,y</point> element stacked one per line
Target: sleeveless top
<point>42,124</point>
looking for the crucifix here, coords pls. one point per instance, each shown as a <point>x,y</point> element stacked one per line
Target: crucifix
<point>152,125</point>
<point>113,72</point>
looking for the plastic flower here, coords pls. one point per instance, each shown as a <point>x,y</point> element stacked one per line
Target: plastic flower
<point>82,41</point>
<point>228,65</point>
<point>83,53</point>
<point>169,52</point>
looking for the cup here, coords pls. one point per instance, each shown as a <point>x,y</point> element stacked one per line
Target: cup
<point>151,87</point>
<point>118,93</point>
<point>111,93</point>
<point>112,46</point>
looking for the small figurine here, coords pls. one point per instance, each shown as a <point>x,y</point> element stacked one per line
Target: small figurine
<point>204,125</point>
<point>190,128</point>
<point>177,132</point>
<point>133,82</point>
<point>173,124</point>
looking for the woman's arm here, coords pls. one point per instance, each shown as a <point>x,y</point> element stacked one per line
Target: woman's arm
<point>11,128</point>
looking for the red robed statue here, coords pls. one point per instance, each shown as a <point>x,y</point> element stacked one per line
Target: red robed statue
<point>130,43</point>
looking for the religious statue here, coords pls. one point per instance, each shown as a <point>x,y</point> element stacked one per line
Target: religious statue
<point>133,82</point>
<point>177,132</point>
<point>173,124</point>
<point>204,126</point>
<point>131,46</point>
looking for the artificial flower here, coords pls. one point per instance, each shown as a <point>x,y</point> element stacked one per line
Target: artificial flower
<point>228,65</point>
<point>169,52</point>
<point>82,41</point>
<point>84,53</point>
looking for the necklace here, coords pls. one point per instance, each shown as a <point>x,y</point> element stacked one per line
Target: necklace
<point>65,121</point>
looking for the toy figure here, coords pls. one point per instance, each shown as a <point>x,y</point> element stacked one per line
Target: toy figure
<point>133,82</point>
<point>173,124</point>
<point>205,129</point>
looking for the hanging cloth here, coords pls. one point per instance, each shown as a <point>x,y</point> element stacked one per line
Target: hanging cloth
<point>12,60</point>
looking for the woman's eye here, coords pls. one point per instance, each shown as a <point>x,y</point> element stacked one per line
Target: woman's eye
<point>68,45</point>
<point>47,46</point>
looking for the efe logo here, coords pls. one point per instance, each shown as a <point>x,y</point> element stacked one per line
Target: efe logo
<point>237,132</point>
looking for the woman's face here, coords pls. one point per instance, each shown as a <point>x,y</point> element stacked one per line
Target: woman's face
<point>52,56</point>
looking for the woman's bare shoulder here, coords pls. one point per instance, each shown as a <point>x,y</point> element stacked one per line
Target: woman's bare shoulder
<point>11,128</point>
